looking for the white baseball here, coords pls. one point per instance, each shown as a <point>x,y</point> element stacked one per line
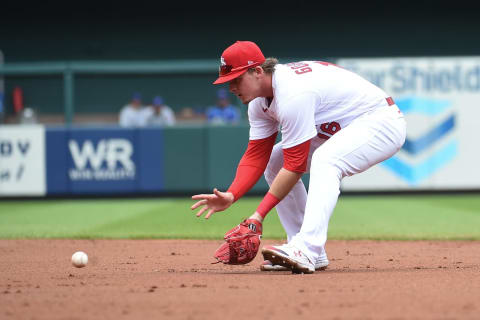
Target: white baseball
<point>79,259</point>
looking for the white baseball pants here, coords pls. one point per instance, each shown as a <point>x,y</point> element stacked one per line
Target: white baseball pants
<point>366,141</point>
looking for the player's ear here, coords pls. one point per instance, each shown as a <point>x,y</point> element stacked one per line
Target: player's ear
<point>258,71</point>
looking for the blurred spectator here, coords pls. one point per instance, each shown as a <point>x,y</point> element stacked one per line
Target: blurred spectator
<point>134,114</point>
<point>28,116</point>
<point>223,112</point>
<point>160,114</point>
<point>187,114</point>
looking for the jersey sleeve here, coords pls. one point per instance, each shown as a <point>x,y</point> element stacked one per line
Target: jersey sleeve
<point>261,126</point>
<point>295,158</point>
<point>169,116</point>
<point>252,165</point>
<point>297,119</point>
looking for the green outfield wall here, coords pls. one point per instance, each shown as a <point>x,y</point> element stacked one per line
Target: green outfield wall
<point>204,157</point>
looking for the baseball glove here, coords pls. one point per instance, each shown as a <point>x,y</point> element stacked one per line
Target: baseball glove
<point>241,243</point>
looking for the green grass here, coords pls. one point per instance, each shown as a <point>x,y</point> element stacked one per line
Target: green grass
<point>439,217</point>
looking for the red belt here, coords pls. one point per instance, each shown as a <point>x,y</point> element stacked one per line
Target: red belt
<point>390,101</point>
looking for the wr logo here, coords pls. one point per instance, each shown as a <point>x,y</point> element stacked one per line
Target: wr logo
<point>108,151</point>
<point>110,160</point>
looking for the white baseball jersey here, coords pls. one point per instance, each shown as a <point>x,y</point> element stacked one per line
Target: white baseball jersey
<point>132,117</point>
<point>312,98</point>
<point>166,116</point>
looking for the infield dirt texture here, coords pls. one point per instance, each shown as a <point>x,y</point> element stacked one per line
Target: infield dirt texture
<point>174,279</point>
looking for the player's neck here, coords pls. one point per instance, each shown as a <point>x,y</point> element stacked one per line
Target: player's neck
<point>267,88</point>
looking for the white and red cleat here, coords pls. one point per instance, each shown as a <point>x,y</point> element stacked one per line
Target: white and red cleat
<point>320,264</point>
<point>290,257</point>
<point>267,265</point>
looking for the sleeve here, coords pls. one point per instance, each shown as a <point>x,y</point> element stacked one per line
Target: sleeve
<point>261,126</point>
<point>124,118</point>
<point>144,116</point>
<point>210,113</point>
<point>297,118</point>
<point>295,158</point>
<point>252,165</point>
<point>170,116</point>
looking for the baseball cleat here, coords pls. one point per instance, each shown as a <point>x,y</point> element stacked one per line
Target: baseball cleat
<point>267,265</point>
<point>288,256</point>
<point>320,264</point>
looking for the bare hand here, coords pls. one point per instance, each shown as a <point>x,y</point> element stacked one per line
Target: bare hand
<point>218,201</point>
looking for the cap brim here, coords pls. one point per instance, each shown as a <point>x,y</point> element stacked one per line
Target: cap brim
<point>230,76</point>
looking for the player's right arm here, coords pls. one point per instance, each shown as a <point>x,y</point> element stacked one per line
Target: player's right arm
<point>263,133</point>
<point>249,170</point>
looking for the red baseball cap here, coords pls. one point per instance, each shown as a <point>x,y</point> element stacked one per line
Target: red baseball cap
<point>237,59</point>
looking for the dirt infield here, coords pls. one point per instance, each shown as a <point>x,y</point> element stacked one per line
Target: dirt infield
<point>171,279</point>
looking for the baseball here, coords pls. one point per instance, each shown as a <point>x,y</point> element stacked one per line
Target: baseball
<point>79,259</point>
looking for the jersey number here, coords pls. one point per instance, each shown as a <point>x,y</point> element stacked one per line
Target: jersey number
<point>330,128</point>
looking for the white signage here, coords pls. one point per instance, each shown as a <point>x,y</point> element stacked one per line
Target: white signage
<point>22,160</point>
<point>110,159</point>
<point>440,99</point>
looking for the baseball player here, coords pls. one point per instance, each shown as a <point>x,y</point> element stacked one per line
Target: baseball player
<point>333,123</point>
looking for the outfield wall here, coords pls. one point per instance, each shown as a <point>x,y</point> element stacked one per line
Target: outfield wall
<point>439,97</point>
<point>48,161</point>
<point>54,161</point>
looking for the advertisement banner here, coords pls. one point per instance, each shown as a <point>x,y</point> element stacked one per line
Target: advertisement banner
<point>99,161</point>
<point>439,97</point>
<point>22,160</point>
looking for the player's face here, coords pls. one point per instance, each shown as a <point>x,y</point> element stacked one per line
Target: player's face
<point>246,87</point>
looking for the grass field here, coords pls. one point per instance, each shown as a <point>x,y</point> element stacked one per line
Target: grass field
<point>440,217</point>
